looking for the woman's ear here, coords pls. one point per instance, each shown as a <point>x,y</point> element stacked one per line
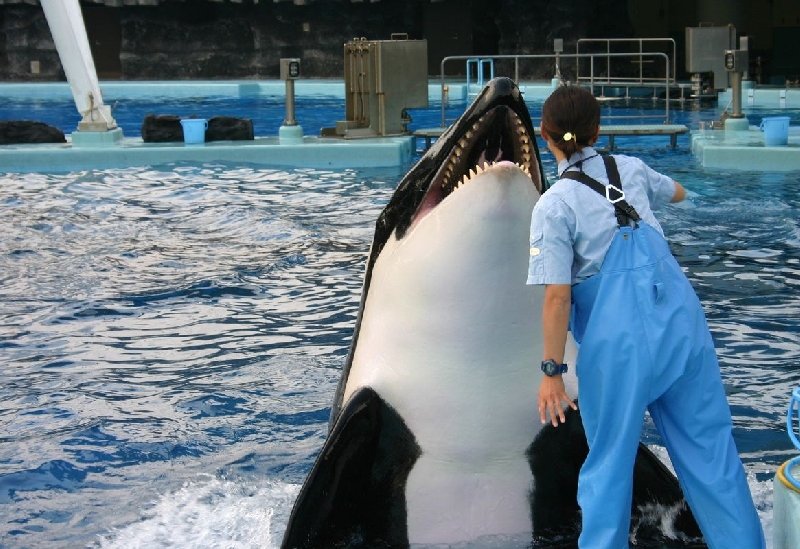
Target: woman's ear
<point>596,136</point>
<point>543,133</point>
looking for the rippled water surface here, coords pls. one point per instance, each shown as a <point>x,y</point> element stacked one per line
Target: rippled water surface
<point>171,337</point>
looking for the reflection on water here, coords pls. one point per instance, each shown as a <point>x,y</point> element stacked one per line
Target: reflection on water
<point>172,337</point>
<point>156,319</point>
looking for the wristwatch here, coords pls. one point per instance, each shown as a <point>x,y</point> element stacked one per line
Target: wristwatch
<point>551,368</point>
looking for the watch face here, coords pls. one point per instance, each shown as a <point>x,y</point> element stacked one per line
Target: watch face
<point>550,368</point>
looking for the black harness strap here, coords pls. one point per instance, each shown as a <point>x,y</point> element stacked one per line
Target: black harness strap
<point>613,192</point>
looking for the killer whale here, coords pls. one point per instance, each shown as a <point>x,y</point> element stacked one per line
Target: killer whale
<point>434,435</point>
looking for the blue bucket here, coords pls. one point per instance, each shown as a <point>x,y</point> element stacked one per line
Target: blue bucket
<point>194,130</point>
<point>776,130</point>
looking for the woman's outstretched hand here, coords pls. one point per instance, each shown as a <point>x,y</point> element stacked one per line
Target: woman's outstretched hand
<point>552,394</point>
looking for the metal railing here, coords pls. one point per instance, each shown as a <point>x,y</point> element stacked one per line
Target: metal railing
<point>592,81</point>
<point>639,58</point>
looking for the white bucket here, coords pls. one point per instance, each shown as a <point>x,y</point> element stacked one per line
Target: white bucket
<point>776,130</point>
<point>786,507</point>
<point>786,490</point>
<point>194,130</point>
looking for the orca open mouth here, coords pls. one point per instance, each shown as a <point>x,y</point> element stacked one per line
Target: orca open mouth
<point>494,132</point>
<point>499,135</point>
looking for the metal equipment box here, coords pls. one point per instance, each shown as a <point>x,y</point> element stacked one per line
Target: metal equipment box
<point>382,79</point>
<point>705,51</point>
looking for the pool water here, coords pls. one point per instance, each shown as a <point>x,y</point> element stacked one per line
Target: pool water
<point>313,112</point>
<point>171,336</point>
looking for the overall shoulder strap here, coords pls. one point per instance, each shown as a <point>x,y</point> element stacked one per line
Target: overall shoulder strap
<point>613,192</point>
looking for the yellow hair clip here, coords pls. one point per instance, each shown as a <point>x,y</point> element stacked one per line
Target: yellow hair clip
<point>569,136</point>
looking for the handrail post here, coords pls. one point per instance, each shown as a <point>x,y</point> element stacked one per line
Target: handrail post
<point>666,90</point>
<point>441,68</point>
<point>641,61</point>
<point>674,66</point>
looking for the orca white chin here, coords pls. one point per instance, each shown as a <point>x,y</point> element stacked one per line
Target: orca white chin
<point>457,202</point>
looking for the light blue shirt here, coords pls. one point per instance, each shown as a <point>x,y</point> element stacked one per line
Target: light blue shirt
<point>572,225</point>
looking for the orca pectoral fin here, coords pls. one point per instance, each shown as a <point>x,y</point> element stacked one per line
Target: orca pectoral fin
<point>556,457</point>
<point>354,495</point>
<point>656,492</point>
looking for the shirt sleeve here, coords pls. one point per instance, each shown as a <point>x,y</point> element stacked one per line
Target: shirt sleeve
<point>551,252</point>
<point>660,188</point>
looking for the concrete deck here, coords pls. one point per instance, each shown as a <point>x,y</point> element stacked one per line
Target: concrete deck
<point>764,98</point>
<point>316,152</point>
<point>745,150</point>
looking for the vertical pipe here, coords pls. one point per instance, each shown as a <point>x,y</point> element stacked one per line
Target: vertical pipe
<point>379,89</point>
<point>736,89</point>
<point>290,121</point>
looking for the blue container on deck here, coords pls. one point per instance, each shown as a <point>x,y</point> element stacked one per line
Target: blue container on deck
<point>786,494</point>
<point>776,130</point>
<point>194,130</point>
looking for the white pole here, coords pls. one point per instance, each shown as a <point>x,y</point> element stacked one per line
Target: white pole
<point>69,34</point>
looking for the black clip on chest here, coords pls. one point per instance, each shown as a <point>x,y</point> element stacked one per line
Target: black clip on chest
<point>613,192</point>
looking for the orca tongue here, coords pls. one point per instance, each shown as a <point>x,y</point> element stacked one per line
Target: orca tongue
<point>494,137</point>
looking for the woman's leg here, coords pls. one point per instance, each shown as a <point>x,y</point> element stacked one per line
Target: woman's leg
<point>612,408</point>
<point>694,420</point>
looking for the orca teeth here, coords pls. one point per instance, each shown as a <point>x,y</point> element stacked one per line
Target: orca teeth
<point>477,170</point>
<point>457,170</point>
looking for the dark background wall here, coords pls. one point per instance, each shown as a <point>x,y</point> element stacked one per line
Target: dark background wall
<point>212,40</point>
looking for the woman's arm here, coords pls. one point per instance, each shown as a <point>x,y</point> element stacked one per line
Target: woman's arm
<point>680,193</point>
<point>555,323</point>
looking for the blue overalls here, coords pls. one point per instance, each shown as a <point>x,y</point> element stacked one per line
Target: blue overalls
<point>645,345</point>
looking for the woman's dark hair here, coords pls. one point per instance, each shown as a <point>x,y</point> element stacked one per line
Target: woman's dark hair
<point>573,112</point>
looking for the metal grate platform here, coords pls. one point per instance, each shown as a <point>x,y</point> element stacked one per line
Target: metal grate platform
<point>672,130</point>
